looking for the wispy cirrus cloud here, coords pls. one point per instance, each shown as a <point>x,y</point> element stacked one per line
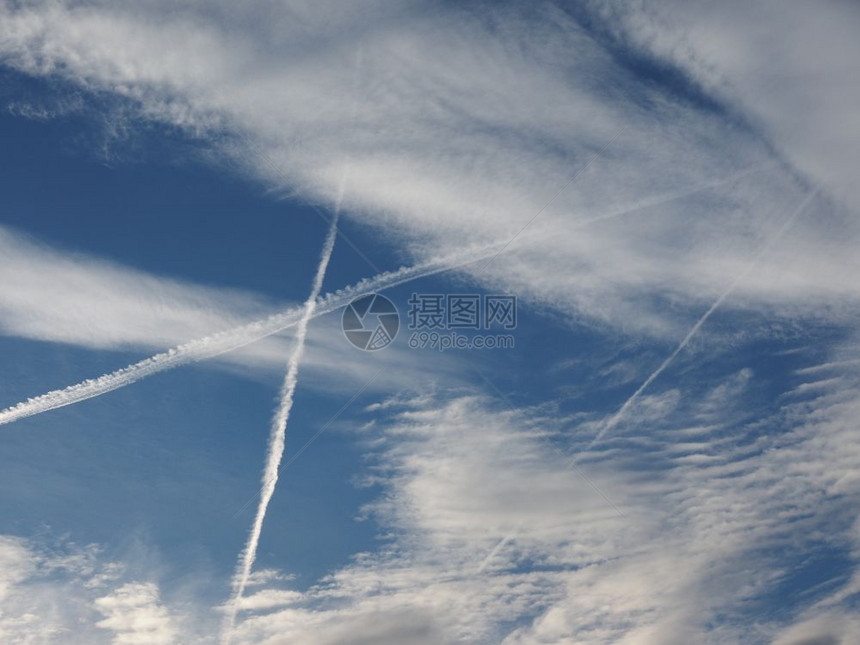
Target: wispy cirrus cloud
<point>282,79</point>
<point>719,513</point>
<point>463,124</point>
<point>788,66</point>
<point>60,295</point>
<point>65,296</point>
<point>718,518</point>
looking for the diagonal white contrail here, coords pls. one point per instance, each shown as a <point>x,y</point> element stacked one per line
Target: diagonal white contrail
<point>277,438</point>
<point>613,421</point>
<point>227,341</point>
<point>232,339</point>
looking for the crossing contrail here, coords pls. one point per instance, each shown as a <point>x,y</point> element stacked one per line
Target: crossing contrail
<point>236,338</point>
<point>277,438</point>
<point>227,341</point>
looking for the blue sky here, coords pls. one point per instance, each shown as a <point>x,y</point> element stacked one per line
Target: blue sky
<point>666,455</point>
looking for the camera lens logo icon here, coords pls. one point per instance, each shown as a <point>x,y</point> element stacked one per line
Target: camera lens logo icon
<point>370,322</point>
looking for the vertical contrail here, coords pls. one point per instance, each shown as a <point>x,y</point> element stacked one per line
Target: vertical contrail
<point>277,438</point>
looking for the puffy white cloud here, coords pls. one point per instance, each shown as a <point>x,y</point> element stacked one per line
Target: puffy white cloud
<point>135,615</point>
<point>16,563</point>
<point>70,594</point>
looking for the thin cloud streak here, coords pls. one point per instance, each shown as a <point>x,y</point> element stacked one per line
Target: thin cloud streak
<point>613,421</point>
<point>616,418</point>
<point>277,439</point>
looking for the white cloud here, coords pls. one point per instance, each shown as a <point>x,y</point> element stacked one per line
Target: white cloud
<point>63,296</point>
<point>790,67</point>
<point>16,563</point>
<point>626,549</point>
<point>457,127</point>
<point>684,552</point>
<point>135,615</point>
<point>56,594</point>
<point>268,599</point>
<point>832,628</point>
<point>450,133</point>
<point>68,297</point>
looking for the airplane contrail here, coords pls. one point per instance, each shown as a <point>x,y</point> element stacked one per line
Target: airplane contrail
<point>277,438</point>
<point>613,421</point>
<point>665,198</point>
<point>227,341</point>
<point>238,337</point>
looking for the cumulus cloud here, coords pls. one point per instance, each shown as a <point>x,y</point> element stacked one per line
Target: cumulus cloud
<point>133,612</point>
<point>66,593</point>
